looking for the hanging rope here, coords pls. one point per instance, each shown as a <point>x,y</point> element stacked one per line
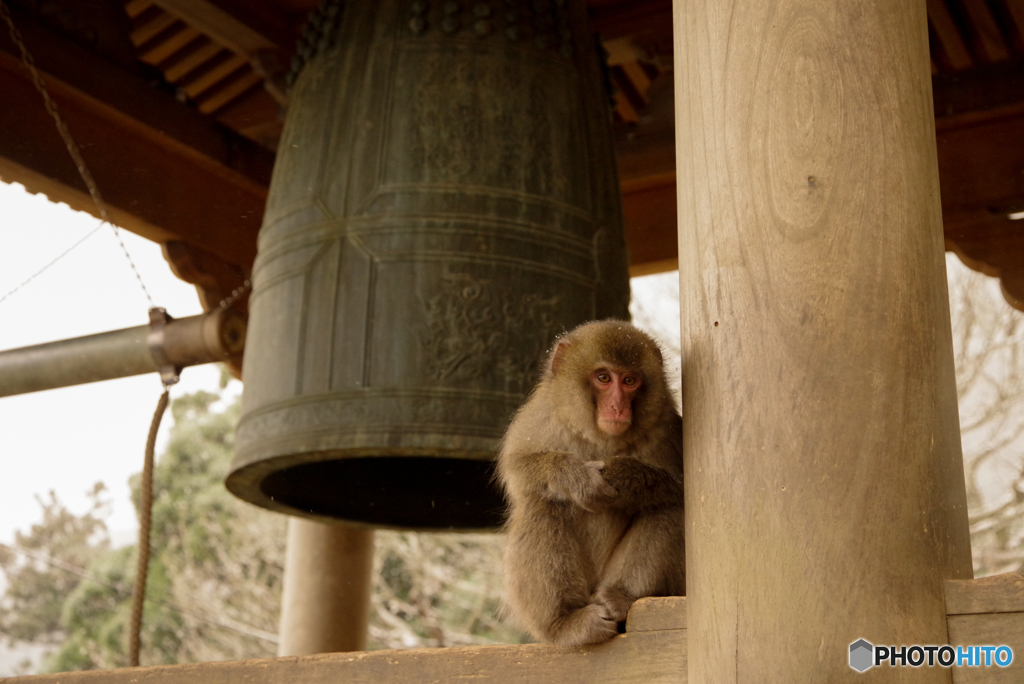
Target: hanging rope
<point>145,521</point>
<point>146,487</point>
<point>69,142</point>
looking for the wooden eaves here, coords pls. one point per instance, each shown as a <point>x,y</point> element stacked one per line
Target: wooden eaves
<point>181,142</point>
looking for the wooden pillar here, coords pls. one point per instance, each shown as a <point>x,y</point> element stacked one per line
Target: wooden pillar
<point>824,479</point>
<point>327,584</point>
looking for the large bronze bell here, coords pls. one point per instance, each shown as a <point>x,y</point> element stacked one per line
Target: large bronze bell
<point>444,203</point>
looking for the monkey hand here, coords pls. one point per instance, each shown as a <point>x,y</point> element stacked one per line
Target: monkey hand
<point>588,488</point>
<point>641,487</point>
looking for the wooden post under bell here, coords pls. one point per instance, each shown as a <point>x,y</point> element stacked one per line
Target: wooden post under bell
<point>327,583</point>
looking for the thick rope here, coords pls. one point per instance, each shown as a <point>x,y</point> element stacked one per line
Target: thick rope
<point>145,521</point>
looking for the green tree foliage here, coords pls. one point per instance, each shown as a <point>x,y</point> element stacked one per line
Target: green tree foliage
<point>437,590</point>
<point>94,616</point>
<point>214,576</point>
<point>216,569</point>
<point>44,566</point>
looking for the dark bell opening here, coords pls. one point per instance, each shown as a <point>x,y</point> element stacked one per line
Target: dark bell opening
<point>394,491</point>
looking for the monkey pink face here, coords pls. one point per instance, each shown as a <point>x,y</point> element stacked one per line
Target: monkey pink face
<point>613,393</point>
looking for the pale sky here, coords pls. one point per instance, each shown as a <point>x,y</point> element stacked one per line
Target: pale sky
<point>67,439</point>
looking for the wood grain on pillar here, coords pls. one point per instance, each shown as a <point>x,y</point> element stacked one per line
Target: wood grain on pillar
<point>824,480</point>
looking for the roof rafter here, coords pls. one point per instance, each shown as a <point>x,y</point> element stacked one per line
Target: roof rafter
<point>166,171</point>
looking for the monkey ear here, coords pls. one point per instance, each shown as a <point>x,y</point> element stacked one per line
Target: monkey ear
<point>556,360</point>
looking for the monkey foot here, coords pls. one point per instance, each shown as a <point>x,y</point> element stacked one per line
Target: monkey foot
<point>614,603</point>
<point>583,627</point>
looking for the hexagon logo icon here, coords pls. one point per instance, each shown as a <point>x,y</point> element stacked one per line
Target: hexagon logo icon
<point>860,655</point>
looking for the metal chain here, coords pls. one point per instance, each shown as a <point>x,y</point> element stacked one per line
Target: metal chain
<point>235,295</point>
<point>69,142</point>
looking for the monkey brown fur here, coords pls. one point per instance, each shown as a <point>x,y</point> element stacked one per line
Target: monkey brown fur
<point>592,469</point>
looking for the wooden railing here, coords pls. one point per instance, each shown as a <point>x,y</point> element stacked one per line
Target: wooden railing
<point>987,611</point>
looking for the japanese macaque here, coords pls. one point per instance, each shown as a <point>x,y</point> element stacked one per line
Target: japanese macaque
<point>592,470</point>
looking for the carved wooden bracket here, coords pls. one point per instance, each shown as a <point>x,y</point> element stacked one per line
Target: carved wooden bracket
<point>215,280</point>
<point>1005,264</point>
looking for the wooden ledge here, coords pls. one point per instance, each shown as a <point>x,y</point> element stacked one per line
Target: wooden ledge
<point>997,594</point>
<point>987,611</point>
<point>653,651</point>
<point>655,614</point>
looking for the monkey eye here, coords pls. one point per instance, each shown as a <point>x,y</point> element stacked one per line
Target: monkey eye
<point>604,378</point>
<point>629,381</point>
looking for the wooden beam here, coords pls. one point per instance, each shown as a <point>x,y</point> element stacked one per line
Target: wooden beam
<point>166,171</point>
<point>992,87</point>
<point>987,611</point>
<point>981,164</point>
<point>997,629</point>
<point>223,27</point>
<point>981,175</point>
<point>997,594</point>
<point>654,614</point>
<point>990,39</point>
<point>649,210</point>
<point>279,22</point>
<point>150,30</point>
<point>650,657</point>
<point>1016,9</point>
<point>162,50</point>
<point>651,267</point>
<point>618,18</point>
<point>621,51</point>
<point>232,62</point>
<point>950,41</point>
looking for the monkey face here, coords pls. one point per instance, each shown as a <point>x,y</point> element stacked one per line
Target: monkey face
<point>614,389</point>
